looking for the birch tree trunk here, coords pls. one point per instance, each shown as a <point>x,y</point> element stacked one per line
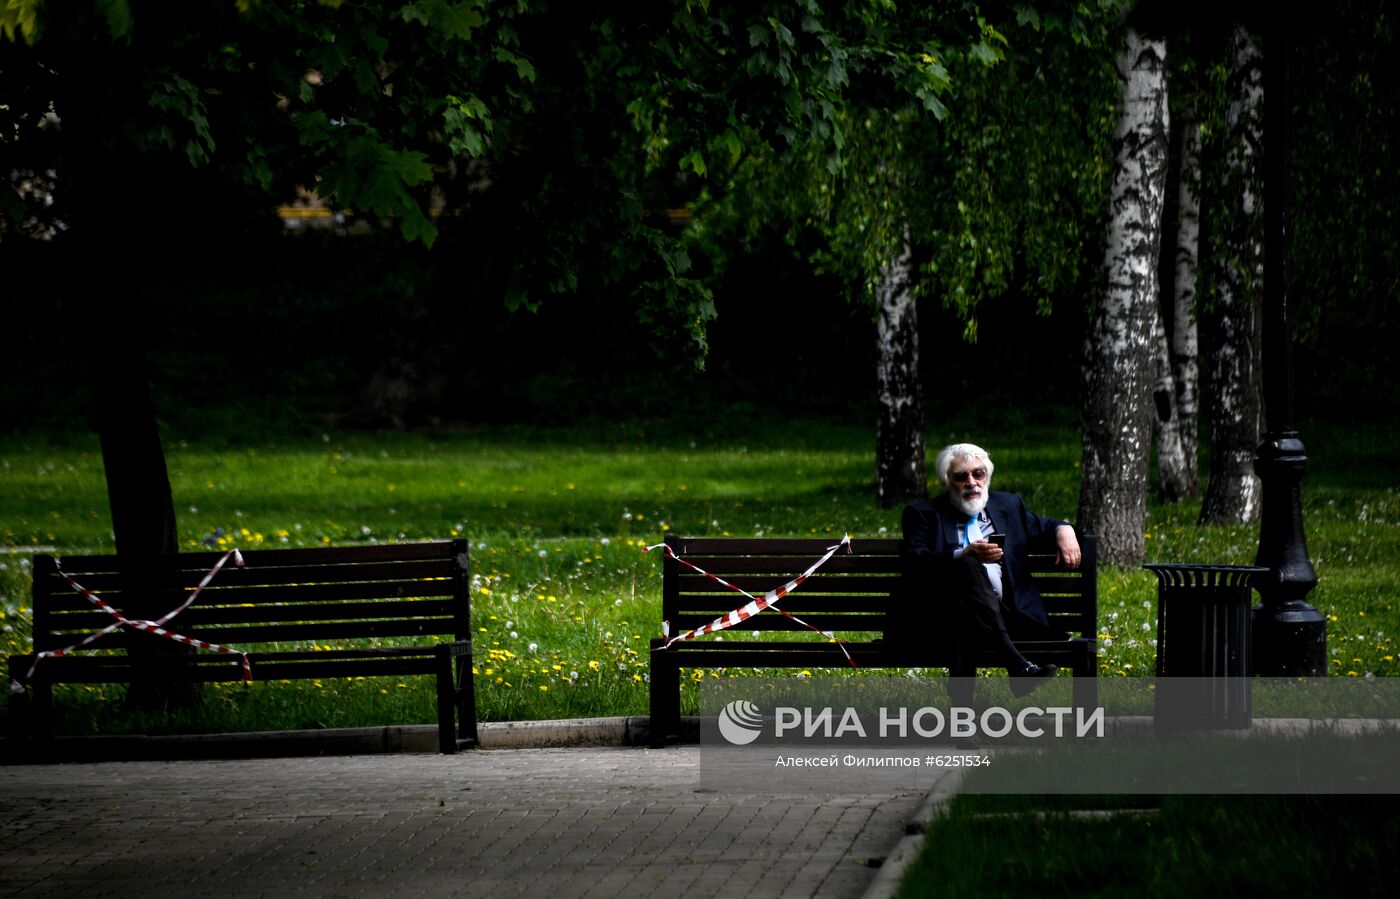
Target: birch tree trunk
<point>899,435</point>
<point>1233,491</point>
<point>1176,472</point>
<point>1184,352</point>
<point>1117,355</point>
<point>1175,378</point>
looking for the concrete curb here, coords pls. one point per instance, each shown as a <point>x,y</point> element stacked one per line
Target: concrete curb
<point>907,850</point>
<point>634,730</point>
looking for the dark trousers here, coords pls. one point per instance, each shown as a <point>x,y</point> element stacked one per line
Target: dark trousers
<point>980,624</point>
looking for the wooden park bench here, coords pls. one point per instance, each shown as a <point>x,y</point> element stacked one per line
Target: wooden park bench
<point>298,614</point>
<point>850,596</point>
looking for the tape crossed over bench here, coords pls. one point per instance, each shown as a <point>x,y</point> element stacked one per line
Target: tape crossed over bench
<point>757,604</point>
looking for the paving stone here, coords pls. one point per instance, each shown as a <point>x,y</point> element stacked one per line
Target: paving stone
<point>549,823</point>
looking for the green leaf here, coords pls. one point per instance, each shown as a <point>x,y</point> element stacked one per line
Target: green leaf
<point>462,135</point>
<point>173,94</point>
<point>415,12</point>
<point>986,54</point>
<point>523,67</point>
<point>694,160</point>
<point>517,297</point>
<point>415,225</point>
<point>733,143</point>
<point>460,20</point>
<point>456,20</point>
<point>20,17</point>
<point>785,36</point>
<point>118,16</point>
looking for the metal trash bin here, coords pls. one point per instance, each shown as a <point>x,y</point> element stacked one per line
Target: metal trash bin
<point>1203,645</point>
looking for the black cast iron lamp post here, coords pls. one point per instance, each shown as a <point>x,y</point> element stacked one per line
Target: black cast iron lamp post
<point>1290,635</point>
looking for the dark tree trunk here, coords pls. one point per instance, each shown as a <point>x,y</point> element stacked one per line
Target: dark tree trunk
<point>1176,472</point>
<point>1118,358</point>
<point>1233,491</point>
<point>899,436</point>
<point>1184,340</point>
<point>109,244</point>
<point>1174,327</point>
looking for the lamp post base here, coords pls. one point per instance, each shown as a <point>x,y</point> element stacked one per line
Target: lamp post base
<point>1290,635</point>
<point>1289,640</point>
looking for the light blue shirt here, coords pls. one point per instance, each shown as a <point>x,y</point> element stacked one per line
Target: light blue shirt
<point>975,529</point>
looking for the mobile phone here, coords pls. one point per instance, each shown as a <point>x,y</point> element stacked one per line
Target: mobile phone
<point>997,540</point>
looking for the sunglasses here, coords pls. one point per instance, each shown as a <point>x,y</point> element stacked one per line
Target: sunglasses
<point>960,477</point>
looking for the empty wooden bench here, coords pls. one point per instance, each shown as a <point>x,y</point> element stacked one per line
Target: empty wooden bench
<point>851,596</point>
<point>370,611</point>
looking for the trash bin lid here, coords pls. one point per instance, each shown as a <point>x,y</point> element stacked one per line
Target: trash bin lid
<point>1174,575</point>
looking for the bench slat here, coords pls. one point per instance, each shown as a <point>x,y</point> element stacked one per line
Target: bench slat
<point>815,547</point>
<point>787,567</point>
<point>718,605</point>
<point>118,669</point>
<point>318,555</point>
<point>254,575</point>
<point>213,596</point>
<point>770,621</point>
<point>196,618</point>
<point>829,655</point>
<point>817,583</point>
<point>253,635</point>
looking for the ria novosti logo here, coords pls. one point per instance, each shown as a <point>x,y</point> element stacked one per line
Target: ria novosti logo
<point>740,722</point>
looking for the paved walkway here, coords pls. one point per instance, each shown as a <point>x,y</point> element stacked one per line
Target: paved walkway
<point>592,822</point>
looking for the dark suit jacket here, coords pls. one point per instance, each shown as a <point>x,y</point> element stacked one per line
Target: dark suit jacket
<point>931,536</point>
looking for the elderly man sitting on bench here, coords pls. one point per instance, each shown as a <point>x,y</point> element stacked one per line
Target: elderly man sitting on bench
<point>966,551</point>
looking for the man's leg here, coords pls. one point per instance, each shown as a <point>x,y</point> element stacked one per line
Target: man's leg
<point>980,625</point>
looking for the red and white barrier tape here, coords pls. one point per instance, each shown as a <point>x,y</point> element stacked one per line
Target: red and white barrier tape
<point>150,627</point>
<point>757,603</point>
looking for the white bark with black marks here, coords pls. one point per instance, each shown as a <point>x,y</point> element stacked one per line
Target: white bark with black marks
<point>899,435</point>
<point>1117,413</point>
<point>1184,341</point>
<point>1233,491</point>
<point>1176,472</point>
<point>1175,366</point>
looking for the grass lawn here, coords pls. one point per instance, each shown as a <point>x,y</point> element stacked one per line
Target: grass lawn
<point>1159,846</point>
<point>564,600</point>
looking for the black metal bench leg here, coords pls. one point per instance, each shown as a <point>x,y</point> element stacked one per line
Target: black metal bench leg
<point>1086,683</point>
<point>41,710</point>
<point>446,703</point>
<point>665,696</point>
<point>18,712</point>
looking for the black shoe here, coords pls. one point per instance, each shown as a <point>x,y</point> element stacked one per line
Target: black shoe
<point>1027,681</point>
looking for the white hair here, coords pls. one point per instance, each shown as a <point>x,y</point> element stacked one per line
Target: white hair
<point>950,454</point>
